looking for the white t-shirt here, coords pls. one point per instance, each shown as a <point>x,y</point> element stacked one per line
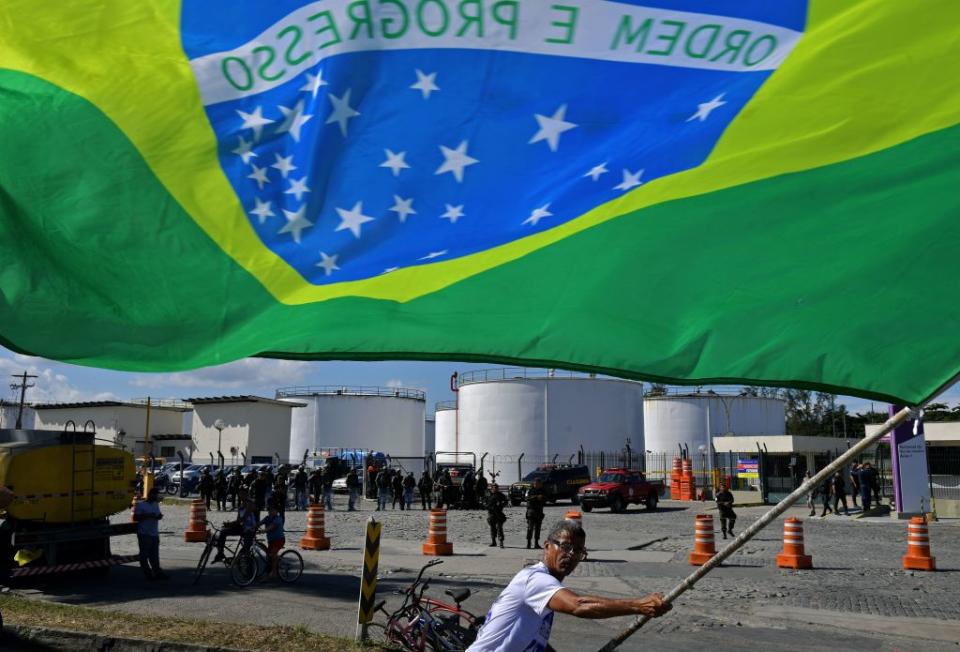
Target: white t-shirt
<point>148,527</point>
<point>520,620</point>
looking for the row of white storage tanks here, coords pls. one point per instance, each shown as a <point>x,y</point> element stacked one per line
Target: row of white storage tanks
<point>507,412</point>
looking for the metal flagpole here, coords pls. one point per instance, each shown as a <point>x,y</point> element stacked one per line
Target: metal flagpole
<point>763,522</point>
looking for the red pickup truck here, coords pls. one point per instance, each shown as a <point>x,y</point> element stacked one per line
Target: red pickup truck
<point>618,488</point>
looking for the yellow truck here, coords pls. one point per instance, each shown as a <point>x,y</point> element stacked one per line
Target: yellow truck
<point>65,489</point>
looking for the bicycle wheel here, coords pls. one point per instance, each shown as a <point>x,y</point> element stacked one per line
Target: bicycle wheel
<point>204,558</point>
<point>290,566</point>
<point>377,633</point>
<point>407,631</point>
<point>244,569</point>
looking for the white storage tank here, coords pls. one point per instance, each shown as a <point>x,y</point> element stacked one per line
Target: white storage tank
<point>387,419</point>
<point>681,417</point>
<point>544,413</point>
<point>446,426</point>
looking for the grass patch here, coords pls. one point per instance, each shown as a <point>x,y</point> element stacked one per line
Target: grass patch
<point>277,638</point>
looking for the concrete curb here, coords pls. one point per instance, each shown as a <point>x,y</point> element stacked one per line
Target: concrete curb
<point>17,638</point>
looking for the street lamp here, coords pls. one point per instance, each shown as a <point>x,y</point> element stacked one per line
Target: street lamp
<point>219,425</point>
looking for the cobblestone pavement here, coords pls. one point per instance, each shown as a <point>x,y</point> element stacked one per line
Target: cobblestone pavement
<point>856,598</point>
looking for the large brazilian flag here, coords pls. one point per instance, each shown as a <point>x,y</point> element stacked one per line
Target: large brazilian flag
<point>696,191</point>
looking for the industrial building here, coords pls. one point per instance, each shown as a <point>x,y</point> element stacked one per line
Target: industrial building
<point>387,419</point>
<point>543,415</point>
<point>244,429</point>
<point>123,423</point>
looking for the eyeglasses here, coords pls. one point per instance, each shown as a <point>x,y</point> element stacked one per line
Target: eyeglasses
<point>568,548</point>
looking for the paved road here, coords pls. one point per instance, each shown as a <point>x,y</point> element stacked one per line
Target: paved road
<point>857,597</point>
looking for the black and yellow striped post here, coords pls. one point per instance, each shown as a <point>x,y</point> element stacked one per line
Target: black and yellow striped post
<point>368,581</point>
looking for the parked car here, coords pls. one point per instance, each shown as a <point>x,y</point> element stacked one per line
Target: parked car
<point>560,482</point>
<point>619,488</point>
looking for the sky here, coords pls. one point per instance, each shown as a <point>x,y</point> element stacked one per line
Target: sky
<point>60,382</point>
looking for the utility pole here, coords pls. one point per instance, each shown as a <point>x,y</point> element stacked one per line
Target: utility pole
<point>23,386</point>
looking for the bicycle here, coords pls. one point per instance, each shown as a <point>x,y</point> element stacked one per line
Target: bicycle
<point>248,560</point>
<point>423,623</point>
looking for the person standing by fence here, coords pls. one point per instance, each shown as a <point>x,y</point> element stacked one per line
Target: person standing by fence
<point>868,477</point>
<point>855,482</point>
<point>495,515</point>
<point>536,500</point>
<point>825,490</point>
<point>426,490</point>
<point>327,480</point>
<point>396,486</point>
<point>220,488</point>
<point>840,494</point>
<point>300,488</point>
<point>353,489</point>
<point>383,490</point>
<point>409,484</point>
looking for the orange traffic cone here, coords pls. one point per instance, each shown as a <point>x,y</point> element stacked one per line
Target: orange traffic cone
<point>918,547</point>
<point>688,483</point>
<point>436,543</point>
<point>197,525</point>
<point>675,476</point>
<point>793,555</point>
<point>315,538</point>
<point>703,546</point>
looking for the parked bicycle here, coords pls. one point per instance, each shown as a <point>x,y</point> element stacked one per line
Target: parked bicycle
<point>248,560</point>
<point>423,623</point>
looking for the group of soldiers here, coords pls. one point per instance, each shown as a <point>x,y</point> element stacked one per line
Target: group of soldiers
<point>263,484</point>
<point>496,502</point>
<point>864,482</point>
<point>392,486</point>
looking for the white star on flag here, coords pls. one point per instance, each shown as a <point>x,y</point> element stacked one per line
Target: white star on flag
<point>328,263</point>
<point>254,121</point>
<point>314,82</point>
<point>342,111</point>
<point>297,188</point>
<point>259,175</point>
<point>551,128</point>
<point>455,160</point>
<point>284,164</point>
<point>395,162</point>
<point>353,219</point>
<point>425,84</point>
<point>597,170</point>
<point>262,210</point>
<point>538,214</point>
<point>704,110</point>
<point>402,207</point>
<point>296,222</point>
<point>433,254</point>
<point>243,150</point>
<point>630,180</point>
<point>294,119</point>
<point>453,213</point>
